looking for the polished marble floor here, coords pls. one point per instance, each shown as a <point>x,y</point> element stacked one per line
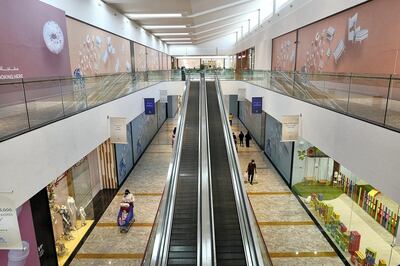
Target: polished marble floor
<point>106,245</point>
<point>291,236</point>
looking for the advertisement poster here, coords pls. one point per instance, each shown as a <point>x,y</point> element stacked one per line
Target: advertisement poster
<point>35,46</point>
<point>10,237</point>
<point>241,95</point>
<point>290,127</point>
<point>256,105</point>
<point>149,106</point>
<point>118,130</point>
<point>284,52</point>
<point>94,51</point>
<point>163,96</point>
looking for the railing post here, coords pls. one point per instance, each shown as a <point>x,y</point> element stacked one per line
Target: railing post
<point>62,97</point>
<point>26,104</point>
<point>348,94</point>
<point>387,99</point>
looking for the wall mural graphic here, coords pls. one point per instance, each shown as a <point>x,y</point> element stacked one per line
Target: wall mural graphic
<point>124,156</point>
<point>152,59</point>
<point>284,52</point>
<point>353,41</point>
<point>94,51</point>
<point>253,122</point>
<point>161,113</point>
<point>143,129</point>
<point>279,152</point>
<point>140,57</point>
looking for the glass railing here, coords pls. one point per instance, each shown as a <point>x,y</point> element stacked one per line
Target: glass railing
<point>375,99</point>
<point>29,104</point>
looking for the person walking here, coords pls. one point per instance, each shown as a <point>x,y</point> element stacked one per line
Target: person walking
<point>251,169</point>
<point>235,140</point>
<point>241,137</point>
<point>248,138</point>
<point>230,118</point>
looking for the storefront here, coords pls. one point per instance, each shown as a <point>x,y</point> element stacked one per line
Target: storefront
<point>70,199</point>
<point>360,220</point>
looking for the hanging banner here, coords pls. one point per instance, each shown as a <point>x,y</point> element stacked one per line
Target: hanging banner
<point>10,237</point>
<point>149,106</point>
<point>118,130</point>
<point>256,105</point>
<point>241,95</point>
<point>163,96</point>
<point>290,128</point>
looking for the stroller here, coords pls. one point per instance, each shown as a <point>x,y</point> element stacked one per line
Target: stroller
<point>125,217</point>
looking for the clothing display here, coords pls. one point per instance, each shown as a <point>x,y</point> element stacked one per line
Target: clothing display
<point>82,215</point>
<point>72,210</point>
<point>66,218</point>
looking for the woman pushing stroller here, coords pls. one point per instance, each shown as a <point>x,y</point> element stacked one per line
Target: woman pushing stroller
<point>126,213</point>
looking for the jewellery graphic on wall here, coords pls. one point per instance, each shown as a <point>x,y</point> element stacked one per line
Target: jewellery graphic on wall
<point>53,37</point>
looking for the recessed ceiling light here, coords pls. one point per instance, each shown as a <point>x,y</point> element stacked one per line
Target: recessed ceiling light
<point>164,26</point>
<point>171,33</point>
<point>165,15</point>
<point>176,39</point>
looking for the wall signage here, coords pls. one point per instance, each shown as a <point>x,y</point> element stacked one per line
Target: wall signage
<point>10,237</point>
<point>290,127</point>
<point>118,130</point>
<point>241,95</point>
<point>149,106</point>
<point>163,96</point>
<point>256,105</point>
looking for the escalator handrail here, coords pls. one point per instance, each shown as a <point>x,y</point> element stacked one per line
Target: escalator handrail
<point>205,234</point>
<point>159,252</point>
<point>252,250</point>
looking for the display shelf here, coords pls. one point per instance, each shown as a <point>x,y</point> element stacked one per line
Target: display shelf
<point>70,245</point>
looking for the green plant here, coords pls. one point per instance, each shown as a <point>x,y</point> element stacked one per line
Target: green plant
<point>301,154</point>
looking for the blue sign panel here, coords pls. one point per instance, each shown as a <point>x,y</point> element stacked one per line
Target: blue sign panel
<point>149,106</point>
<point>256,105</point>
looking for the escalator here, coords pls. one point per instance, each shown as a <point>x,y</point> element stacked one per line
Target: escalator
<point>228,237</point>
<point>204,216</point>
<point>183,239</point>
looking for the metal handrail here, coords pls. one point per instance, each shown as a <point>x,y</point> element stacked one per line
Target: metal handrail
<point>252,249</point>
<point>372,98</point>
<point>205,233</point>
<point>158,254</point>
<point>66,96</point>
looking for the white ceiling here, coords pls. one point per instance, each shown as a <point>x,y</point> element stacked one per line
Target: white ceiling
<point>205,20</point>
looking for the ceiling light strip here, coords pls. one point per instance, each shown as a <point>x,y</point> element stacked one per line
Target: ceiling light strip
<point>143,16</point>
<point>149,27</point>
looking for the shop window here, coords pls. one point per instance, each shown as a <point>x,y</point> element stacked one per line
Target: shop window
<point>359,218</point>
<point>71,207</point>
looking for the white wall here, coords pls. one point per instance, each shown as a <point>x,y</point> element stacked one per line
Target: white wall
<point>31,161</point>
<point>370,152</point>
<point>99,14</point>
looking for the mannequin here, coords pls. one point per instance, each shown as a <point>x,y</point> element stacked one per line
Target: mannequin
<point>83,216</point>
<point>66,219</point>
<point>72,210</point>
